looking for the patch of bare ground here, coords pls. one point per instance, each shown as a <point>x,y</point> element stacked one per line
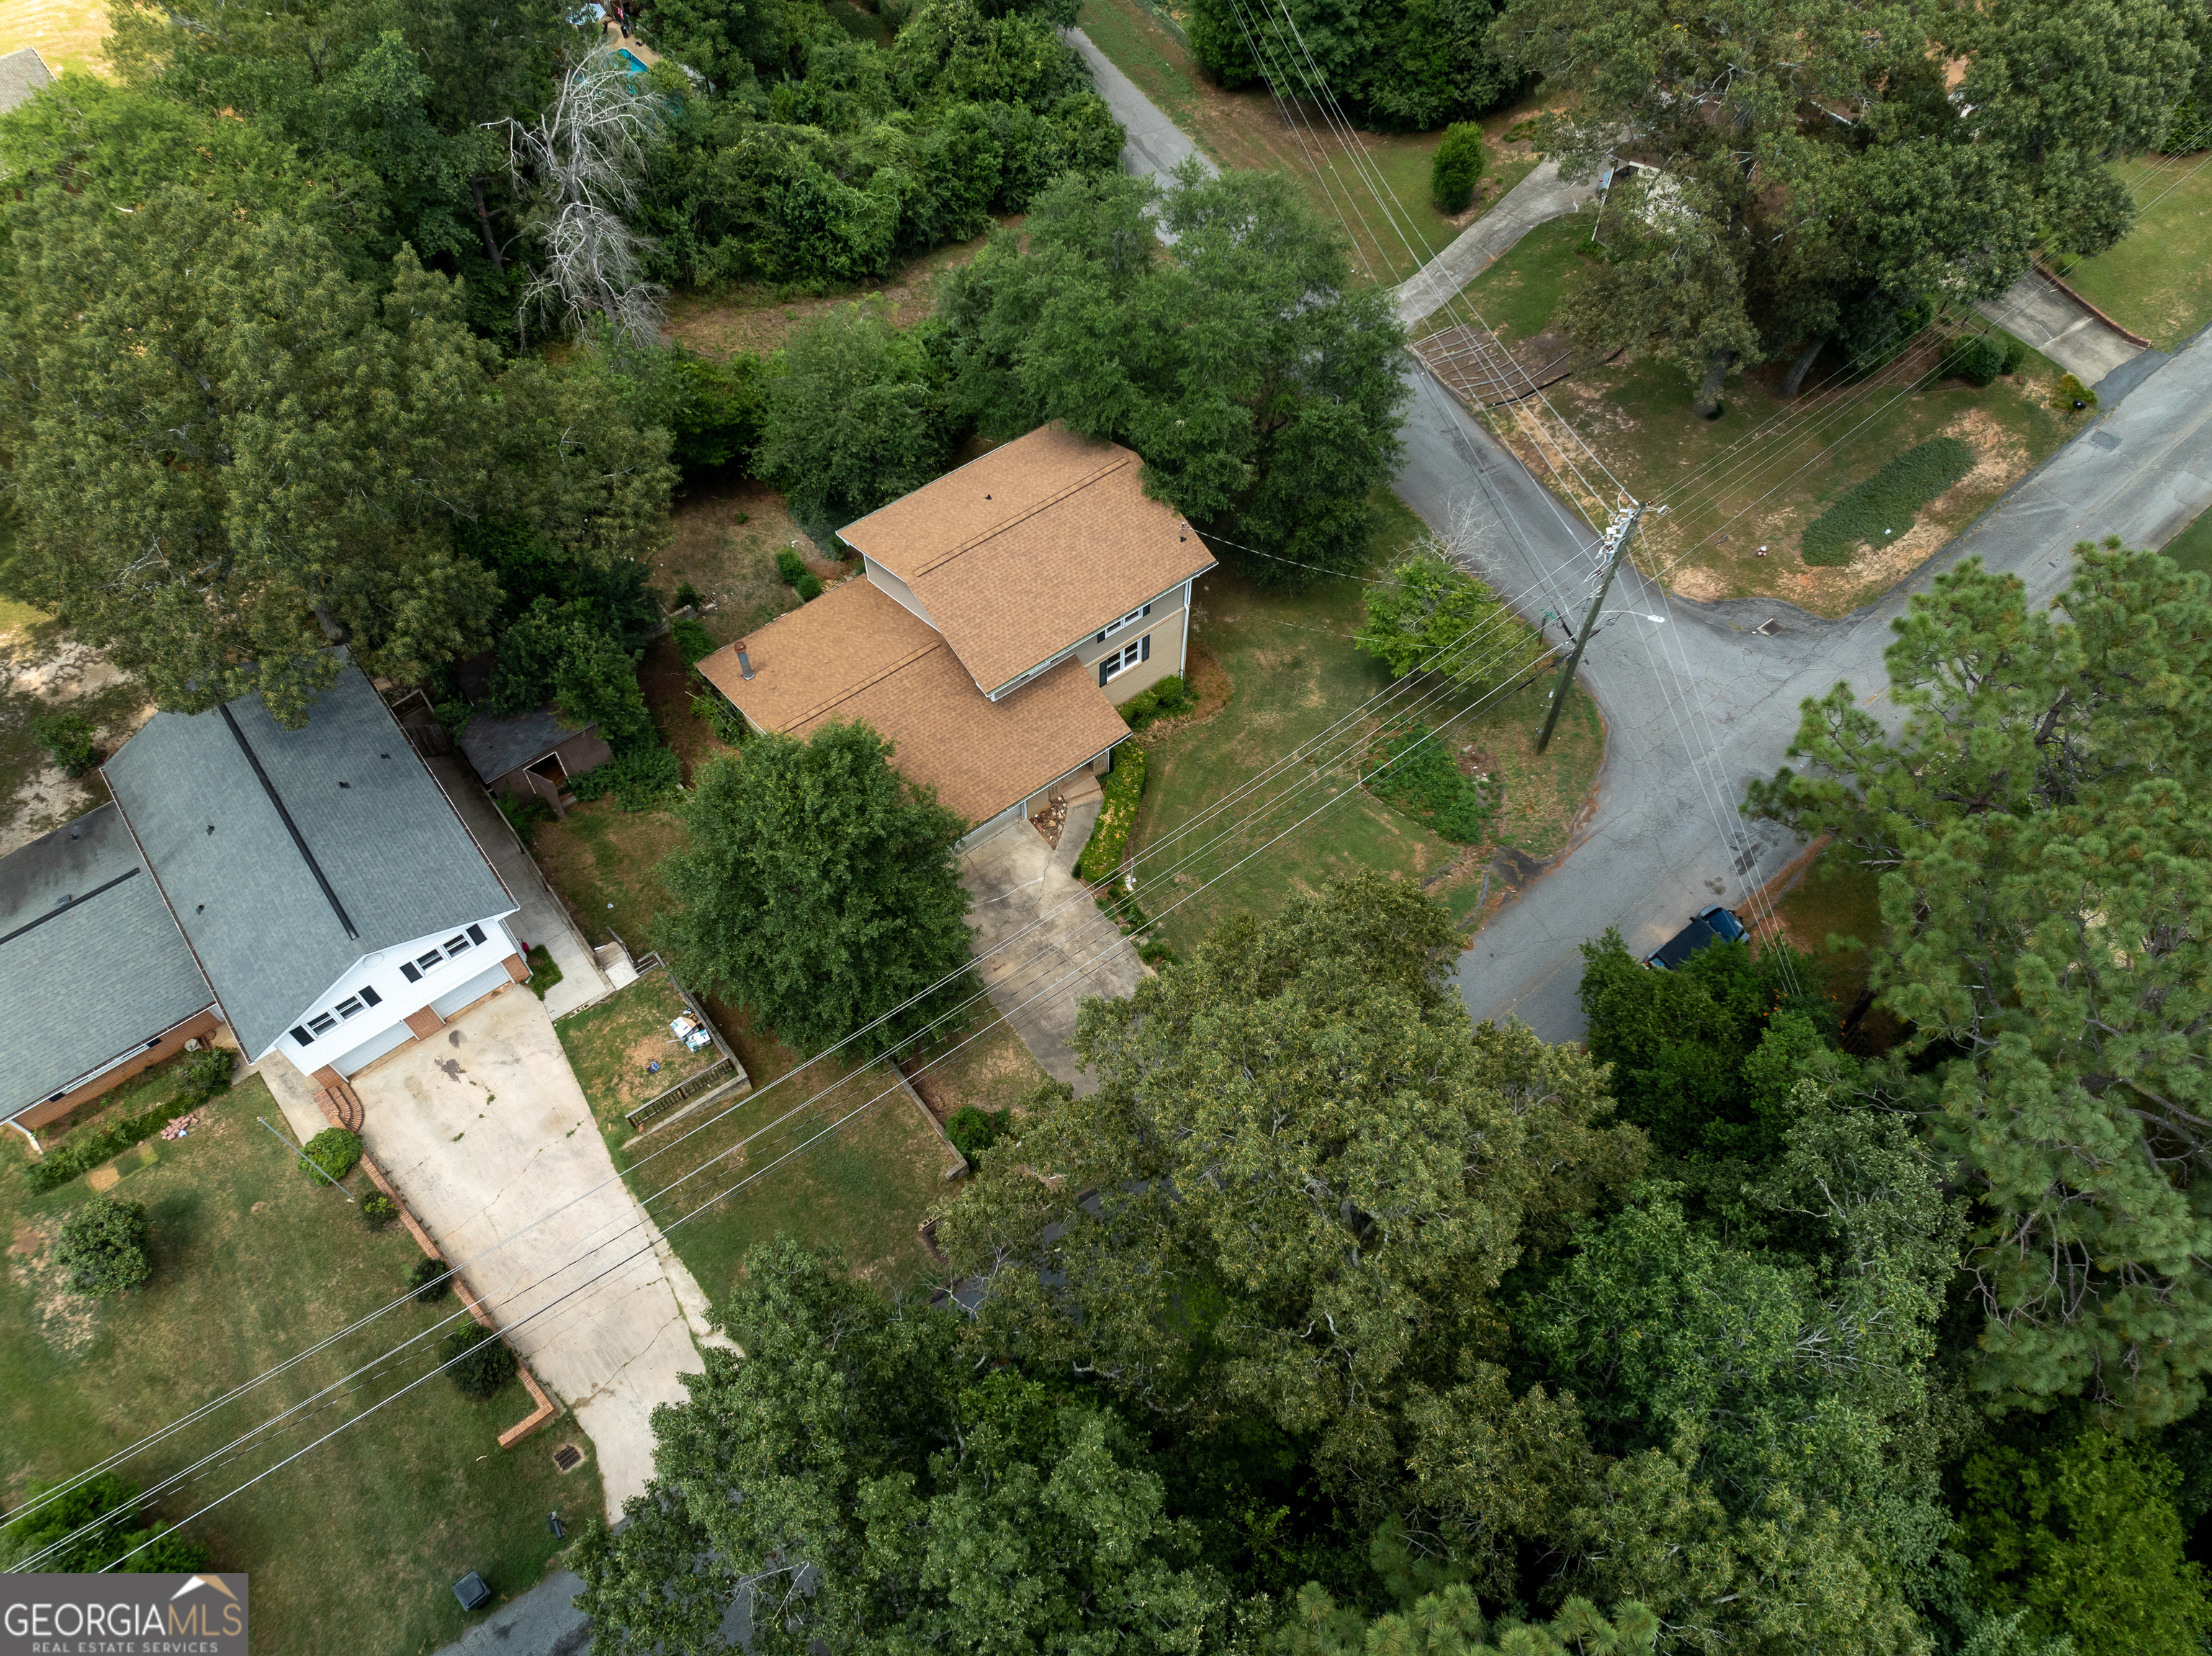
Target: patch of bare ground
<point>67,1321</point>
<point>725,536</point>
<point>44,670</point>
<point>759,321</point>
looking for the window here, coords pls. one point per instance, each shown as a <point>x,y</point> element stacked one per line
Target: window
<point>1135,614</point>
<point>429,962</point>
<point>1113,666</point>
<point>348,1008</point>
<point>455,945</point>
<point>322,1023</point>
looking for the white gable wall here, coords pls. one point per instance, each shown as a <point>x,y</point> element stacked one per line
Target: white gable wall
<point>347,1041</point>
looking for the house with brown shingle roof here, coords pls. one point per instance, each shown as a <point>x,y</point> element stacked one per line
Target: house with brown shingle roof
<point>1002,613</point>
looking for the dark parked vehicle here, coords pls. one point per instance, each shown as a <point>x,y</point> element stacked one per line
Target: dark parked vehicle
<point>1707,927</point>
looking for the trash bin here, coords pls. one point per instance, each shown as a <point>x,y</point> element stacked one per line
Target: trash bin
<point>471,1591</point>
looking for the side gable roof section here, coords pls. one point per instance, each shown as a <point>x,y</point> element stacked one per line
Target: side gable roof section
<point>857,653</point>
<point>22,75</point>
<point>91,965</point>
<point>1032,548</point>
<point>286,856</point>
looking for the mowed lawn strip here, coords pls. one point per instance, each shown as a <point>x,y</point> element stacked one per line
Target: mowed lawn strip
<point>2192,548</point>
<point>2158,280</point>
<point>353,1548</point>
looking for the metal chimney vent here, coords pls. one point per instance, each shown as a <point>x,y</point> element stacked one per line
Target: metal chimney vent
<point>745,663</point>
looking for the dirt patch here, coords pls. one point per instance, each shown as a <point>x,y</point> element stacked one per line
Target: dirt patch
<point>1206,675</point>
<point>725,537</point>
<point>67,1321</point>
<point>42,670</point>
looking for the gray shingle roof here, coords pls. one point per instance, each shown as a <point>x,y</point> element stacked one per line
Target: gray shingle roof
<point>398,862</point>
<point>496,746</point>
<point>21,74</point>
<point>91,965</point>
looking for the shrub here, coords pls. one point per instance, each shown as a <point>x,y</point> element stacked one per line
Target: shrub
<point>1164,700</point>
<point>2069,392</point>
<point>1416,772</point>
<point>1979,359</point>
<point>808,586</point>
<point>201,1077</point>
<point>430,1280</point>
<point>526,815</point>
<point>693,642</point>
<point>454,716</point>
<point>2015,355</point>
<point>1457,165</point>
<point>727,724</point>
<point>789,564</point>
<point>336,1151</point>
<point>379,1210</point>
<point>103,1247</point>
<point>1155,952</point>
<point>687,595</point>
<point>545,972</point>
<point>1125,787</point>
<point>641,779</point>
<point>89,1526</point>
<point>479,1361</point>
<point>973,1130</point>
<point>67,738</point>
<point>1886,502</point>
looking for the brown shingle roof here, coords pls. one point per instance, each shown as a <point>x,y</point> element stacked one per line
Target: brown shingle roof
<point>1024,552</point>
<point>857,653</point>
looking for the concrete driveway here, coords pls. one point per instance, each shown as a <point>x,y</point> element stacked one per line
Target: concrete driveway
<point>1045,946</point>
<point>485,1131</point>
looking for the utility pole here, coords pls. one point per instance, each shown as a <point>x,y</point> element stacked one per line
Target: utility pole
<point>1615,541</point>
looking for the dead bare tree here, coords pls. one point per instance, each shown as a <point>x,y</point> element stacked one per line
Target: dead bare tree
<point>578,168</point>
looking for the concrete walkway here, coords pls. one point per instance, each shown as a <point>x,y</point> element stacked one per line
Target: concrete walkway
<point>486,1133</point>
<point>2045,316</point>
<point>1154,144</point>
<point>1539,197</point>
<point>1059,950</point>
<point>542,919</point>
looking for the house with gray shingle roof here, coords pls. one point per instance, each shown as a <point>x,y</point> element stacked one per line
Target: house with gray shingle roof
<point>96,981</point>
<point>21,74</point>
<point>316,883</point>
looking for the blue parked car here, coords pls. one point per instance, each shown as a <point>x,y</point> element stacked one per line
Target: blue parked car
<point>1707,927</point>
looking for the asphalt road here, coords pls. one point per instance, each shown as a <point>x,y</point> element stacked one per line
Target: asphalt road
<point>1696,701</point>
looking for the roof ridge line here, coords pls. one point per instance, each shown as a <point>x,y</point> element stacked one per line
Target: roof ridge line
<point>1114,462</point>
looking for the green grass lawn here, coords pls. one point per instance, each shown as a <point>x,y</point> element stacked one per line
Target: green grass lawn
<point>2158,280</point>
<point>2192,548</point>
<point>1517,294</point>
<point>604,862</point>
<point>985,1065</point>
<point>614,1044</point>
<point>863,1187</point>
<point>351,1550</point>
<point>1245,129</point>
<point>1292,673</point>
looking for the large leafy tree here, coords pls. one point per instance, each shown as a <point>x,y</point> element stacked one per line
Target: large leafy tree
<point>1213,329</point>
<point>1290,1202</point>
<point>1808,159</point>
<point>873,1492</point>
<point>854,417</point>
<point>1395,63</point>
<point>2037,823</point>
<point>821,890</point>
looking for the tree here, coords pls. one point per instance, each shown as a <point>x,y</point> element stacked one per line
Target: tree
<point>1456,167</point>
<point>579,167</point>
<point>1396,64</point>
<point>2082,1536</point>
<point>875,1492</point>
<point>106,1510</point>
<point>566,654</point>
<point>820,890</point>
<point>852,418</point>
<point>1435,619</point>
<point>1705,1059</point>
<point>2047,896</point>
<point>1310,1175</point>
<point>102,1247</point>
<point>1230,351</point>
<point>1450,1623</point>
<point>279,474</point>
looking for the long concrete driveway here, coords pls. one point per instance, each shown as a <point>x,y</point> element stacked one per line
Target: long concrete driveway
<point>486,1133</point>
<point>1696,701</point>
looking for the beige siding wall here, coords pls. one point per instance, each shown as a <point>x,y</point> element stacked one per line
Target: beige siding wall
<point>897,588</point>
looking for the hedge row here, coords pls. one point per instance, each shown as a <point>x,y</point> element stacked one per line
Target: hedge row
<point>1124,787</point>
<point>1886,503</point>
<point>204,1075</point>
